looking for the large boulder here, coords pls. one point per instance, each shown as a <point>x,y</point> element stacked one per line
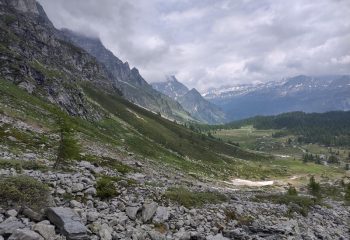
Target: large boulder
<point>32,215</point>
<point>68,222</point>
<point>45,229</point>
<point>162,215</point>
<point>148,210</point>
<point>8,226</point>
<point>25,234</point>
<point>132,211</point>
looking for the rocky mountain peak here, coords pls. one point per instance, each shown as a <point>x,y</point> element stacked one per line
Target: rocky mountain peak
<point>27,6</point>
<point>191,100</point>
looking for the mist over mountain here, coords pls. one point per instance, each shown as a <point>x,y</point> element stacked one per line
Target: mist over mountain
<point>300,93</point>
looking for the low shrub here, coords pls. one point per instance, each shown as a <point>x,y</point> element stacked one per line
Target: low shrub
<point>105,188</point>
<point>23,191</point>
<point>314,187</point>
<point>160,227</point>
<point>242,220</point>
<point>292,191</point>
<point>347,194</point>
<point>190,199</point>
<point>299,204</point>
<point>109,162</point>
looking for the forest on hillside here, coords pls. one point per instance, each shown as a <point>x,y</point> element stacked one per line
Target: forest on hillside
<point>330,128</point>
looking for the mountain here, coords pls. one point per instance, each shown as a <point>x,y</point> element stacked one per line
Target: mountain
<point>191,100</point>
<point>76,153</point>
<point>35,58</point>
<point>300,93</point>
<point>171,87</point>
<point>129,81</point>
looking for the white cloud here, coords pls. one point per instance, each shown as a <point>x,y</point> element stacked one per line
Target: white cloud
<point>216,42</point>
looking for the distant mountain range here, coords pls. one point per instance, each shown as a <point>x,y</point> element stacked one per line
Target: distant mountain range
<point>300,93</point>
<point>191,100</point>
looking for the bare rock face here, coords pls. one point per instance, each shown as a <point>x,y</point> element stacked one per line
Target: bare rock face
<point>25,5</point>
<point>68,222</point>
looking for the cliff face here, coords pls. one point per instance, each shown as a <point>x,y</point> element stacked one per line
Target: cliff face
<point>35,57</point>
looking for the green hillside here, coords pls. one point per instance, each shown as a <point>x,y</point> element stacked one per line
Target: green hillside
<point>330,128</point>
<point>135,129</point>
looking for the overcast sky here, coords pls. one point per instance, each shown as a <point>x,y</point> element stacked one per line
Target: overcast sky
<point>208,43</point>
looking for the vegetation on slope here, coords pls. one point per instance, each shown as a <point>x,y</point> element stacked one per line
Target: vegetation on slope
<point>137,130</point>
<point>331,128</point>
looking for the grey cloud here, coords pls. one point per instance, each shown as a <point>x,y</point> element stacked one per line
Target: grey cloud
<point>209,43</point>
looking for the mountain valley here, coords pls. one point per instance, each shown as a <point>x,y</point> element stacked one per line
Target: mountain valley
<point>90,150</point>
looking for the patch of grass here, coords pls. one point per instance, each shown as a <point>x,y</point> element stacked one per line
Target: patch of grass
<point>347,194</point>
<point>167,133</point>
<point>242,220</point>
<point>299,204</point>
<point>109,162</point>
<point>292,191</point>
<point>23,191</point>
<point>6,164</point>
<point>9,19</point>
<point>191,199</point>
<point>20,165</point>
<point>160,227</point>
<point>46,71</point>
<point>125,182</point>
<point>105,188</point>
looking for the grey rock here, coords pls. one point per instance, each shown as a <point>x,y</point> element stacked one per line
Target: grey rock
<point>182,235</point>
<point>92,216</point>
<point>45,230</point>
<point>148,210</point>
<point>217,237</point>
<point>25,234</point>
<point>131,212</point>
<point>91,191</point>
<point>12,139</point>
<point>162,215</point>
<point>32,215</point>
<point>120,218</point>
<point>77,187</point>
<point>11,213</point>
<point>68,222</point>
<point>10,225</point>
<point>105,232</point>
<point>156,235</point>
<point>75,204</point>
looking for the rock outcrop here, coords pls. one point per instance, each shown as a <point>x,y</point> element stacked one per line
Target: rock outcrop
<point>68,222</point>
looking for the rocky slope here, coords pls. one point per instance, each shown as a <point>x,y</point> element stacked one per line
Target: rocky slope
<point>300,93</point>
<point>39,58</point>
<point>140,211</point>
<point>191,100</point>
<point>35,58</point>
<point>129,81</point>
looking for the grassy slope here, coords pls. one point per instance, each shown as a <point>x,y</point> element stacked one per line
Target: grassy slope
<point>139,131</point>
<point>150,136</point>
<point>262,140</point>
